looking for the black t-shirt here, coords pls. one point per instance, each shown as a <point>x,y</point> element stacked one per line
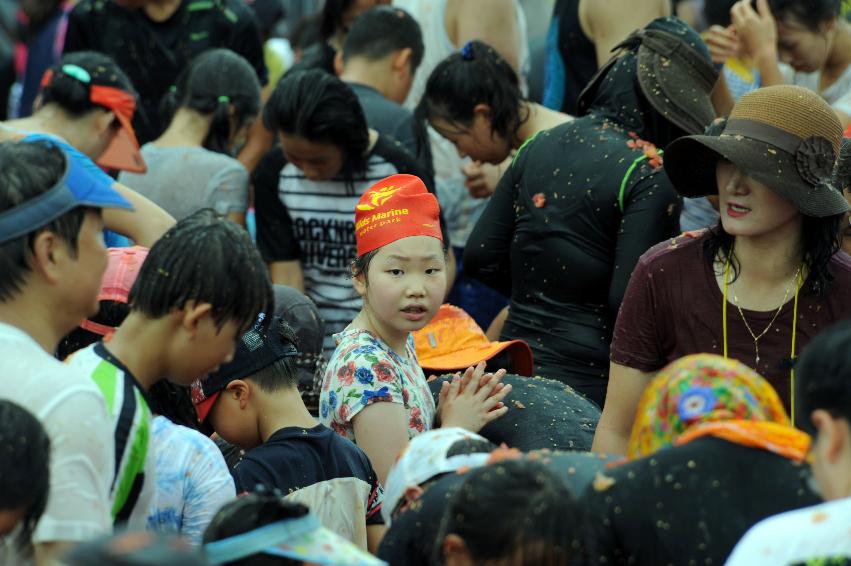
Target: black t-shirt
<point>542,414</point>
<point>575,57</point>
<point>314,222</point>
<point>689,504</point>
<point>300,459</point>
<point>561,235</point>
<point>394,121</point>
<point>153,54</point>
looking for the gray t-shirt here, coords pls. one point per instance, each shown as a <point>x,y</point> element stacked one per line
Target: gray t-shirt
<point>183,180</point>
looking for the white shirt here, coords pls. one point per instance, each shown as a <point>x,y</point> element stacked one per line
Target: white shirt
<point>82,456</point>
<point>813,534</point>
<point>838,94</point>
<point>193,481</point>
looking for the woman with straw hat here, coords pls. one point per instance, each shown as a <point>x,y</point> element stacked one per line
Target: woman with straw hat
<point>763,282</point>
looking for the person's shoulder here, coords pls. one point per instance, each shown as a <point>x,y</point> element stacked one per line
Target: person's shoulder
<point>840,266</point>
<point>270,164</point>
<point>796,536</point>
<point>393,152</point>
<point>673,251</point>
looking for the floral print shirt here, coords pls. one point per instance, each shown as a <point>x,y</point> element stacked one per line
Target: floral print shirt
<point>364,370</point>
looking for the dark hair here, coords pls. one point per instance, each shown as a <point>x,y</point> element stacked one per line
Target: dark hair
<point>306,32</point>
<point>381,31</point>
<point>475,75</point>
<point>842,170</point>
<point>717,12</point>
<point>251,512</point>
<point>332,17</point>
<point>21,181</point>
<point>360,265</point>
<point>282,373</point>
<point>822,377</point>
<point>209,259</point>
<point>72,94</point>
<point>215,82</point>
<point>319,107</point>
<point>25,475</point>
<point>467,446</point>
<point>110,313</point>
<point>821,240</point>
<point>174,402</point>
<point>811,13</point>
<point>538,519</point>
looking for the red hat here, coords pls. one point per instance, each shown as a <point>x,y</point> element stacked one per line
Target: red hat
<point>394,208</point>
<point>123,151</point>
<point>122,269</point>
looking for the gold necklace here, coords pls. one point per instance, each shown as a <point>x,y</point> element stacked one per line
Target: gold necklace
<point>756,338</point>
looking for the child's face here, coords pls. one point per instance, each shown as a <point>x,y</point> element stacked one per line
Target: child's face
<point>231,418</point>
<point>202,353</point>
<point>406,283</point>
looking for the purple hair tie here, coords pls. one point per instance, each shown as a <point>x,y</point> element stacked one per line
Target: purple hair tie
<point>467,51</point>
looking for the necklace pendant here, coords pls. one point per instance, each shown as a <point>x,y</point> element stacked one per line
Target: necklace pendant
<point>757,360</point>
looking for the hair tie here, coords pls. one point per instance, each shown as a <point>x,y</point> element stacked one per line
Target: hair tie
<point>467,51</point>
<point>224,99</point>
<point>78,73</point>
<point>172,88</point>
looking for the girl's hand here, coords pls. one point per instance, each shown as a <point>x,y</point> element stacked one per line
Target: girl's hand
<point>723,44</point>
<point>756,29</point>
<point>474,400</point>
<point>481,178</point>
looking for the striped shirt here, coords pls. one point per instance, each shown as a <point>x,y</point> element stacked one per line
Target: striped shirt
<point>314,221</point>
<point>133,487</point>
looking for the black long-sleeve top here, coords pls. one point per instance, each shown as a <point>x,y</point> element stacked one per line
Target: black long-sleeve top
<point>561,239</point>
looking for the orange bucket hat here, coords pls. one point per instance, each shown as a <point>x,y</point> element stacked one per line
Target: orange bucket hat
<point>395,207</point>
<point>453,341</point>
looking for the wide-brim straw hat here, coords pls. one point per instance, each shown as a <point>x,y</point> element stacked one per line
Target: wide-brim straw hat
<point>786,137</point>
<point>674,71</point>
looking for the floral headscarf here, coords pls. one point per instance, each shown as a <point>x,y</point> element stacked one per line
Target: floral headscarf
<point>708,395</point>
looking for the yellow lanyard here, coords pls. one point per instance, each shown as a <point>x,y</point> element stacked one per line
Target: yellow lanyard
<point>794,327</point>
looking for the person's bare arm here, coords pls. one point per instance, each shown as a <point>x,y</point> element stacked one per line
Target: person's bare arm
<point>287,273</point>
<point>145,224</point>
<point>491,21</point>
<point>381,430</point>
<point>259,138</point>
<point>625,388</point>
<point>495,329</point>
<point>374,536</point>
<point>50,553</point>
<point>608,22</point>
<point>757,34</point>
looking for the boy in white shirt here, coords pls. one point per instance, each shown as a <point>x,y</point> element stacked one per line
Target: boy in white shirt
<point>52,257</point>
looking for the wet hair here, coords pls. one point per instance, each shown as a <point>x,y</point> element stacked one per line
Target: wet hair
<point>811,13</point>
<point>360,265</point>
<point>475,75</point>
<point>331,18</point>
<point>306,32</point>
<point>207,259</point>
<point>251,512</point>
<point>318,107</point>
<point>174,402</point>
<point>822,377</point>
<point>539,521</point>
<point>110,313</point>
<point>73,95</point>
<point>842,170</point>
<point>217,82</point>
<point>470,446</point>
<point>821,240</point>
<point>717,12</point>
<point>24,467</point>
<point>282,374</point>
<point>21,181</point>
<point>381,31</point>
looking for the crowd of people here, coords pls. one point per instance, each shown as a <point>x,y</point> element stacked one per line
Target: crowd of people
<point>429,282</point>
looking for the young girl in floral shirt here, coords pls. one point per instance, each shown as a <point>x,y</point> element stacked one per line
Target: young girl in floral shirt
<point>374,392</point>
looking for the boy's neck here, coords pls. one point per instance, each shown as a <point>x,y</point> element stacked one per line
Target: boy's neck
<point>371,74</point>
<point>281,409</point>
<point>141,344</point>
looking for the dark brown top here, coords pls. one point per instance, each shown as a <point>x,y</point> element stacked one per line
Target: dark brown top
<point>673,308</point>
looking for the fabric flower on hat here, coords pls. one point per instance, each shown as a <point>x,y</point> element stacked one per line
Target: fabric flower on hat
<point>814,159</point>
